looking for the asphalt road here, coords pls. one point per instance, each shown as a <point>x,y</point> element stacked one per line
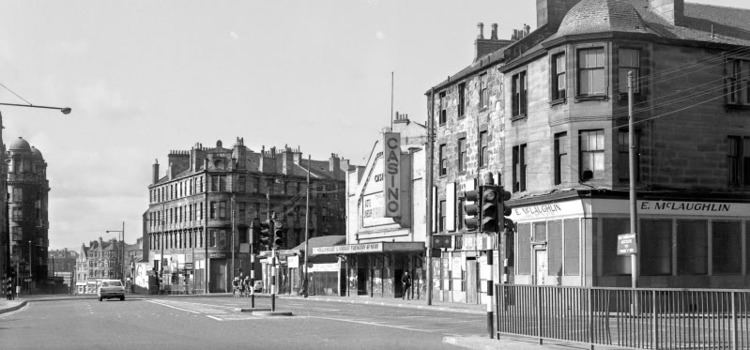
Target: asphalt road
<point>211,322</point>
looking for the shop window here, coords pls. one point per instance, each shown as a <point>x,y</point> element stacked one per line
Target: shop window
<point>562,162</point>
<point>656,247</point>
<point>523,255</point>
<point>726,247</point>
<point>571,248</point>
<point>591,73</point>
<point>692,247</point>
<point>554,248</point>
<point>540,232</point>
<point>613,264</point>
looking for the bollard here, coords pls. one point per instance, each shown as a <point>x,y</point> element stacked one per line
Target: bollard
<point>273,302</point>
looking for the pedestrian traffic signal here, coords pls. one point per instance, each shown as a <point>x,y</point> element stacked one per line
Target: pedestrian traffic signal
<point>278,233</point>
<point>490,204</point>
<point>472,214</point>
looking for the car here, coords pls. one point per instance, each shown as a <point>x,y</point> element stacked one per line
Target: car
<point>258,287</point>
<point>111,289</point>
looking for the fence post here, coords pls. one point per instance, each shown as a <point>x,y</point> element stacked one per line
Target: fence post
<point>654,320</point>
<point>539,313</point>
<point>591,316</point>
<point>734,323</point>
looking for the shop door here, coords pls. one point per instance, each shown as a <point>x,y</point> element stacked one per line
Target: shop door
<point>540,261</point>
<point>472,276</point>
<point>218,276</point>
<point>361,281</point>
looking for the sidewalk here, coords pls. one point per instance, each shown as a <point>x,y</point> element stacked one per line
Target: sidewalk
<point>507,342</point>
<point>476,309</point>
<point>11,305</point>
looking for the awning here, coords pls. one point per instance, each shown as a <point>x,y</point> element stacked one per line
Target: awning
<point>368,248</point>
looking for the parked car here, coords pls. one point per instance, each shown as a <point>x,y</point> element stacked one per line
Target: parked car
<point>258,287</point>
<point>111,289</point>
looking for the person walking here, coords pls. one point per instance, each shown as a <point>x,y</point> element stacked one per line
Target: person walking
<point>406,282</point>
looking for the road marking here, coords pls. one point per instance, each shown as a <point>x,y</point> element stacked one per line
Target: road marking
<point>173,307</point>
<point>373,324</point>
<point>214,318</point>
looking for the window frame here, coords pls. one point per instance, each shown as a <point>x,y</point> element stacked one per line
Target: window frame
<point>556,94</point>
<point>622,86</point>
<point>519,168</point>
<point>580,70</point>
<point>519,95</point>
<point>484,143</point>
<point>461,146</point>
<point>560,150</point>
<point>582,151</point>
<point>484,92</point>
<point>461,100</point>
<point>737,157</point>
<point>443,160</point>
<point>442,108</point>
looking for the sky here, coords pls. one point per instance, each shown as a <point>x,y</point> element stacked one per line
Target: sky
<point>146,77</point>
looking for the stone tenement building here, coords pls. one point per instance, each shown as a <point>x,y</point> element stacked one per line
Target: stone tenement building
<point>28,190</point>
<point>563,143</point>
<point>192,208</point>
<point>100,260</point>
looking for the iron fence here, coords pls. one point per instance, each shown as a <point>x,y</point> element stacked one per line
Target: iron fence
<point>640,318</point>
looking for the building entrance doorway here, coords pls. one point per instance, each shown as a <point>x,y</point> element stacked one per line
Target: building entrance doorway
<point>218,276</point>
<point>361,281</point>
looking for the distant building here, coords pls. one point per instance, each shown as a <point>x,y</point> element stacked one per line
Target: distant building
<point>191,209</point>
<point>62,263</point>
<point>100,260</point>
<point>28,190</point>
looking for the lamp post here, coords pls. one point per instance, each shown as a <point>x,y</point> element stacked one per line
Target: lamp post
<point>122,250</point>
<point>3,181</point>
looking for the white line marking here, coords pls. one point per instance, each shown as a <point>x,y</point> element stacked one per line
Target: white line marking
<point>214,318</point>
<point>373,324</point>
<point>173,307</point>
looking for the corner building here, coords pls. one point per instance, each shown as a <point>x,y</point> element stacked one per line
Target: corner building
<point>205,206</point>
<point>566,144</point>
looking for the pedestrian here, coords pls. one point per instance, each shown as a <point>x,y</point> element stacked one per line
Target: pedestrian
<point>235,287</point>
<point>406,282</point>
<point>247,286</point>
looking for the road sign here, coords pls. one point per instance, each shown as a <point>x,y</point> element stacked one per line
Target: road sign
<point>27,279</point>
<point>188,266</point>
<point>626,244</point>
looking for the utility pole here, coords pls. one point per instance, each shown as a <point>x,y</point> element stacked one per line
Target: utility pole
<point>631,163</point>
<point>307,223</point>
<point>429,158</point>
<point>233,233</point>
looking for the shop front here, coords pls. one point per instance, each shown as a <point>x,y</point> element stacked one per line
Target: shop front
<point>377,269</point>
<point>680,243</point>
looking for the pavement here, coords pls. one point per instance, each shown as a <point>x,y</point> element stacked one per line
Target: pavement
<point>469,341</point>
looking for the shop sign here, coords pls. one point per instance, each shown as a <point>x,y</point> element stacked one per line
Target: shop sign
<point>349,248</point>
<point>693,208</point>
<point>548,210</point>
<point>392,173</point>
<point>330,267</point>
<point>188,266</point>
<point>292,262</point>
<point>217,255</point>
<point>626,244</point>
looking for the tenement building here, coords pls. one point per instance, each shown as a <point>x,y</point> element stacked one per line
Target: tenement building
<point>566,144</point>
<point>201,212</point>
<point>100,260</point>
<point>28,190</point>
<point>386,228</point>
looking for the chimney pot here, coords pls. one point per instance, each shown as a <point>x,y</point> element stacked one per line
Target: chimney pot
<point>481,30</point>
<point>494,31</point>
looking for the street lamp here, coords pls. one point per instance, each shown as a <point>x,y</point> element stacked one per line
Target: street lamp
<point>64,110</point>
<point>122,249</point>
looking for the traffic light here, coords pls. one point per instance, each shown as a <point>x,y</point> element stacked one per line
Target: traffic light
<point>506,210</point>
<point>473,216</point>
<point>490,205</point>
<point>264,243</point>
<point>278,232</point>
<point>255,235</point>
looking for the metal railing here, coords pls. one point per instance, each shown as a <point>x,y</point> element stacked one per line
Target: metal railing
<point>640,318</point>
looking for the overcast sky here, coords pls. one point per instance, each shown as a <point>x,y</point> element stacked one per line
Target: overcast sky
<point>145,77</point>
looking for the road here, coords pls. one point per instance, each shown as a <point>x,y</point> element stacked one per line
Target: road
<point>213,322</point>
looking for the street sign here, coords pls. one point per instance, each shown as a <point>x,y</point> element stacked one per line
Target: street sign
<point>27,279</point>
<point>188,266</point>
<point>626,244</point>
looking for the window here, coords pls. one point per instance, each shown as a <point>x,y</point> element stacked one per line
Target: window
<point>692,247</point>
<point>591,77</point>
<point>462,154</point>
<point>441,222</point>
<point>656,247</point>
<point>212,235</point>
<point>484,91</point>
<point>726,247</point>
<point>461,99</point>
<point>737,80</point>
<point>443,166</point>
<point>629,61</point>
<point>571,247</point>
<point>623,155</point>
<point>738,159</point>
<point>523,262</point>
<point>519,168</point>
<point>562,163</point>
<point>214,183</point>
<point>483,149</point>
<point>223,210</point>
<point>554,248</point>
<point>592,154</point>
<point>17,194</point>
<point>518,104</point>
<point>241,184</point>
<point>558,77</point>
<point>242,208</point>
<point>443,114</point>
<point>213,210</point>
<point>17,214</point>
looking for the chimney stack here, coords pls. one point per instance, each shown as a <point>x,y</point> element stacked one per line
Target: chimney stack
<point>672,11</point>
<point>494,32</point>
<point>481,30</point>
<point>484,46</point>
<point>155,173</point>
<point>552,12</point>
